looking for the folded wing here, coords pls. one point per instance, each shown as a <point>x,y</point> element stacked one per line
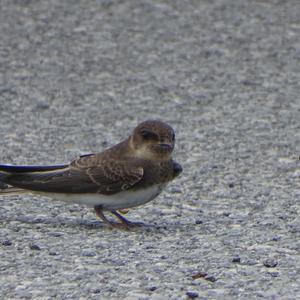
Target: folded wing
<point>85,175</point>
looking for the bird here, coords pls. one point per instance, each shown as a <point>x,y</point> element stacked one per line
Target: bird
<point>130,173</point>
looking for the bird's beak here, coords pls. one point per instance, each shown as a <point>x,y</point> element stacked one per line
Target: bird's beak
<point>166,147</point>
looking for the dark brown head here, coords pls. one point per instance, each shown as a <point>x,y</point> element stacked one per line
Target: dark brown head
<point>153,140</point>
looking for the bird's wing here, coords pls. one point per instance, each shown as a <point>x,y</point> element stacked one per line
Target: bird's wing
<point>85,175</point>
<point>108,175</point>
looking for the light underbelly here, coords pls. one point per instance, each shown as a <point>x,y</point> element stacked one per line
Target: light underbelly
<point>124,199</point>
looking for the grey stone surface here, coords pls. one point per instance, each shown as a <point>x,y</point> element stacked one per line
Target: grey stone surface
<point>77,76</point>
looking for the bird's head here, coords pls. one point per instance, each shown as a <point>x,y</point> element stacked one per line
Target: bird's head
<point>153,139</point>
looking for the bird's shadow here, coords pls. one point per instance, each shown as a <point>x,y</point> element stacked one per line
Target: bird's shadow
<point>90,224</point>
<point>69,222</point>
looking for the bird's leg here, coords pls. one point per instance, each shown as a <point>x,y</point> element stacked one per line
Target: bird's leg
<point>123,220</point>
<point>124,223</point>
<point>100,214</point>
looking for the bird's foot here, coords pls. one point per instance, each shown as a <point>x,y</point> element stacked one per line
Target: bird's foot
<point>123,211</point>
<point>123,224</point>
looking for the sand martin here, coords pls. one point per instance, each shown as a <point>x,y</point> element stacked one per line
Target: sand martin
<point>126,175</point>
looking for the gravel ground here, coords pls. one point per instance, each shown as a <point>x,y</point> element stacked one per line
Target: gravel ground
<point>77,76</point>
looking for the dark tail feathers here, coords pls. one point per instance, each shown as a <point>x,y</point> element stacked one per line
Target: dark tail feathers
<point>6,171</point>
<point>25,169</point>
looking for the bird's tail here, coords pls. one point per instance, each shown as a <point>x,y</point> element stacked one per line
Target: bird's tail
<point>6,171</point>
<point>19,179</point>
<point>6,190</point>
<point>3,186</point>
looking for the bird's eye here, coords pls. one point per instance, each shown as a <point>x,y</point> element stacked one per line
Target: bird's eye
<point>149,135</point>
<point>173,136</point>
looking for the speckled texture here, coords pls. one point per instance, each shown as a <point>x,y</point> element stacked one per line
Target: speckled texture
<point>77,76</point>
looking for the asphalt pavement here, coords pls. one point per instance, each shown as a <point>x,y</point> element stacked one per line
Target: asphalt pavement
<point>77,76</point>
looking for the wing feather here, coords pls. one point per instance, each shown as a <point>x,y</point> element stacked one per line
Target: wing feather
<point>88,174</point>
<point>111,176</point>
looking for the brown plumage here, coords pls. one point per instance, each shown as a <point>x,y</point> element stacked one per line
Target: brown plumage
<point>140,163</point>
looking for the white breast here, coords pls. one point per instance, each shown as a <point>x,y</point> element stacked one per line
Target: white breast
<point>125,199</point>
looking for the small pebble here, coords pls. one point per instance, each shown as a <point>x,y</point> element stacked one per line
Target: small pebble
<point>96,291</point>
<point>226,214</point>
<point>250,262</point>
<point>236,259</point>
<point>270,263</point>
<point>192,295</point>
<point>175,190</point>
<point>198,222</point>
<point>152,288</point>
<point>210,278</point>
<point>34,247</point>
<point>56,233</point>
<point>88,253</point>
<point>6,243</point>
<point>274,274</point>
<point>42,105</point>
<point>199,275</point>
